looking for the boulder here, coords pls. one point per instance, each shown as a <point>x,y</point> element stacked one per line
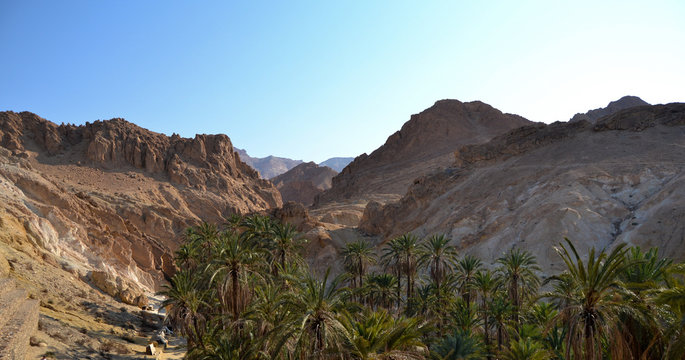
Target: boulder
<point>127,296</point>
<point>150,350</point>
<point>105,282</point>
<point>118,288</point>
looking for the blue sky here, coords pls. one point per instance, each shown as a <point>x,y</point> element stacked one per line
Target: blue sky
<point>316,79</point>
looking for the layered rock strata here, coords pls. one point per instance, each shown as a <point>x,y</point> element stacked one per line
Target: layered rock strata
<point>114,197</point>
<point>619,180</point>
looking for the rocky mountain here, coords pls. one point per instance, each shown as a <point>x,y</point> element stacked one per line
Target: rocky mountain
<point>272,166</point>
<point>303,182</point>
<point>112,196</point>
<point>269,166</point>
<point>623,103</point>
<point>337,163</point>
<point>619,180</point>
<point>424,143</point>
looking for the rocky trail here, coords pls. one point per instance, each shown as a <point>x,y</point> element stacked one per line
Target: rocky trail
<point>18,320</point>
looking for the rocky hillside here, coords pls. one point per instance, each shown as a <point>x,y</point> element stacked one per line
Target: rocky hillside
<point>623,103</point>
<point>112,196</point>
<point>425,142</point>
<point>303,182</point>
<point>269,166</point>
<point>619,180</point>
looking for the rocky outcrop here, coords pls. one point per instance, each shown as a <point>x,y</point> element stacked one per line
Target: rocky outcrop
<point>303,182</point>
<point>620,180</point>
<point>296,214</point>
<point>426,142</point>
<point>119,288</point>
<point>270,166</point>
<point>623,103</point>
<point>111,196</point>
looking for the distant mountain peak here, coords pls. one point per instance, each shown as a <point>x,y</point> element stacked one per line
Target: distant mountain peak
<point>337,163</point>
<point>625,102</point>
<point>270,166</point>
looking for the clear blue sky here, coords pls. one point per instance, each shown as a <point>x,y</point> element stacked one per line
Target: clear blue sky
<point>316,79</point>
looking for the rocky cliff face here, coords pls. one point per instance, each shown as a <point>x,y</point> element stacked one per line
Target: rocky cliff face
<point>425,142</point>
<point>303,182</point>
<point>112,196</point>
<point>619,180</point>
<point>623,103</point>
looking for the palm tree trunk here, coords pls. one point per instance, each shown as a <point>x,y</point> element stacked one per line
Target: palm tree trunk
<point>234,295</point>
<point>399,287</point>
<point>499,337</point>
<point>515,296</point>
<point>361,274</point>
<point>408,278</point>
<point>486,328</point>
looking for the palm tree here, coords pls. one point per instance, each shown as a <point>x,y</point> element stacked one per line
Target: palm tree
<point>408,245</point>
<point>438,256</point>
<point>425,303</point>
<point>188,255</point>
<point>377,335</point>
<point>381,289</point>
<point>518,270</point>
<point>485,283</point>
<point>357,255</point>
<point>267,312</point>
<point>594,309</point>
<point>285,244</point>
<point>236,258</point>
<point>225,346</point>
<point>257,228</point>
<point>314,308</point>
<point>234,222</point>
<point>500,309</point>
<point>674,298</point>
<point>392,259</point>
<point>646,274</point>
<point>464,316</point>
<point>460,345</point>
<point>527,349</point>
<point>203,237</point>
<point>467,268</point>
<point>186,304</point>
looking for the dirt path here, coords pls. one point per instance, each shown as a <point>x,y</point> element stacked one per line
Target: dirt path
<point>175,350</point>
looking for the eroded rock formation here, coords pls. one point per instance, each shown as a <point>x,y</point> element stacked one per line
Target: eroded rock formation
<point>303,182</point>
<point>620,180</point>
<point>114,197</point>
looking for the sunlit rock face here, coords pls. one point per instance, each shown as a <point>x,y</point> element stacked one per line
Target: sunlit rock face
<point>619,180</point>
<point>112,196</point>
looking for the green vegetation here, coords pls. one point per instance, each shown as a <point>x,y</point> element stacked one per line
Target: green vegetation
<point>244,292</point>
